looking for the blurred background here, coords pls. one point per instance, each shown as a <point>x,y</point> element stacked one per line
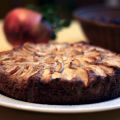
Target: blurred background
<point>67,5</point>
<point>59,14</point>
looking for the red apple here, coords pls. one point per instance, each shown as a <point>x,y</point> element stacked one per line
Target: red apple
<point>22,25</point>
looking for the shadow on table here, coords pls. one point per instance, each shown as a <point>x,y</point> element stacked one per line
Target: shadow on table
<point>10,114</point>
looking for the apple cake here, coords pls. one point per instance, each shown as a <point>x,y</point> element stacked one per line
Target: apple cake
<point>60,73</point>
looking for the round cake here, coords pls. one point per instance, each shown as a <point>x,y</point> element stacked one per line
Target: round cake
<point>60,73</point>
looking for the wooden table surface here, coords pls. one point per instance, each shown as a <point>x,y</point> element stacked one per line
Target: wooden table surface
<point>69,34</point>
<point>10,114</point>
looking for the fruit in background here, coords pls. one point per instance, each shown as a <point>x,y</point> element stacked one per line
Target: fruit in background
<point>24,25</point>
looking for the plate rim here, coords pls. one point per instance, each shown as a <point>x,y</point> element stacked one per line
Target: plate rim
<point>45,108</point>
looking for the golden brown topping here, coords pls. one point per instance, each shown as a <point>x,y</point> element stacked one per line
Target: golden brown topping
<point>83,75</point>
<point>111,61</point>
<point>50,60</point>
<point>68,74</point>
<point>40,54</point>
<point>59,66</point>
<point>107,70</point>
<point>92,53</point>
<point>46,75</point>
<point>54,60</point>
<point>74,63</point>
<point>13,70</point>
<point>56,75</point>
<point>97,70</point>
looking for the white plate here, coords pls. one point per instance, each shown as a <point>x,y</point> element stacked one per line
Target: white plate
<point>16,104</point>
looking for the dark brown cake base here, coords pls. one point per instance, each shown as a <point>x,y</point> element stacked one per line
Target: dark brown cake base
<point>74,92</point>
<point>62,92</point>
